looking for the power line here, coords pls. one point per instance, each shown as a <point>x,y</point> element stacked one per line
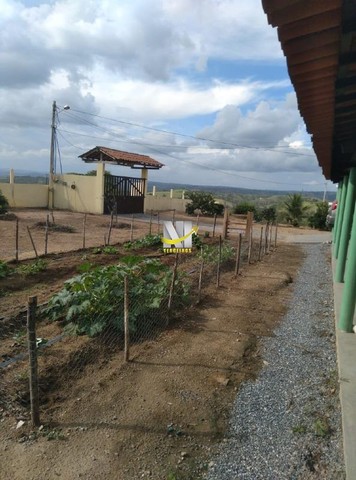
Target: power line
<point>272,149</point>
<point>206,167</point>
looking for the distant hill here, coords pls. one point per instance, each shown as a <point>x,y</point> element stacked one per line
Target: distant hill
<point>223,191</point>
<point>28,176</point>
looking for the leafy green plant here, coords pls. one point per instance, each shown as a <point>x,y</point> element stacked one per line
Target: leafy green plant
<point>299,429</point>
<point>33,268</point>
<point>92,302</point>
<point>4,269</point>
<point>196,240</point>
<point>147,241</point>
<point>210,253</point>
<point>108,250</point>
<point>4,204</point>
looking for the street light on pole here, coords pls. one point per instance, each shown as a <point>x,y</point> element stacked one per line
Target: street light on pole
<point>52,169</point>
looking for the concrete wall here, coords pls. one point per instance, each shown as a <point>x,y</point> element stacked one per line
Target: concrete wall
<point>25,196</point>
<point>78,193</point>
<point>165,203</point>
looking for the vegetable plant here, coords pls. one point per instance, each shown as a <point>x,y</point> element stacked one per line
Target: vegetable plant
<point>93,302</point>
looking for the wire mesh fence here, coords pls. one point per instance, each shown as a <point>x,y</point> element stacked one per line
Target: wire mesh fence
<point>110,314</point>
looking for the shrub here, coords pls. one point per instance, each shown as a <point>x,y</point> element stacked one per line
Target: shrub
<point>318,218</point>
<point>205,202</point>
<point>269,214</point>
<point>4,204</point>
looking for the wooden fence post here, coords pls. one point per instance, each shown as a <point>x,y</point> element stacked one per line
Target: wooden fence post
<point>150,228</point>
<point>131,229</point>
<point>171,290</point>
<point>33,243</point>
<point>174,216</point>
<point>32,351</point>
<point>260,246</point>
<point>275,236</point>
<point>270,237</point>
<point>46,235</point>
<point>84,228</point>
<point>250,241</point>
<point>17,241</point>
<point>126,320</point>
<point>238,255</point>
<point>226,223</point>
<point>110,226</point>
<point>219,262</point>
<point>200,276</point>
<point>266,238</point>
<point>214,226</point>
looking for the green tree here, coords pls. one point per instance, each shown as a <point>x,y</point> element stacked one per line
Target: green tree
<point>4,204</point>
<point>318,218</point>
<point>205,202</point>
<point>295,209</point>
<point>92,173</point>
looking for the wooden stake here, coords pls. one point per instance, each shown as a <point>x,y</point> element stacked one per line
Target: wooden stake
<point>150,230</point>
<point>270,237</point>
<point>52,217</point>
<point>33,243</point>
<point>200,277</point>
<point>174,217</point>
<point>126,320</point>
<point>219,263</point>
<point>198,218</point>
<point>46,235</point>
<point>238,255</point>
<point>84,228</point>
<point>131,230</point>
<point>32,351</point>
<point>17,241</point>
<point>275,236</point>
<point>250,241</point>
<point>214,226</point>
<point>157,222</point>
<point>171,290</point>
<point>266,238</point>
<point>226,223</point>
<point>260,247</point>
<point>110,226</point>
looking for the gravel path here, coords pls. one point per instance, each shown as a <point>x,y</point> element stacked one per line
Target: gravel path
<point>287,424</point>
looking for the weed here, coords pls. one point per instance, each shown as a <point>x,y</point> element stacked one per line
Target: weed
<point>4,269</point>
<point>108,250</point>
<point>300,429</point>
<point>32,268</point>
<point>322,427</point>
<point>147,241</point>
<point>53,434</point>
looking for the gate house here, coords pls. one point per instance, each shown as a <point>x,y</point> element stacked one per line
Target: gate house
<point>123,194</point>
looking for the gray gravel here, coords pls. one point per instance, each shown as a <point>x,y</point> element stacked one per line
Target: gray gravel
<point>287,424</point>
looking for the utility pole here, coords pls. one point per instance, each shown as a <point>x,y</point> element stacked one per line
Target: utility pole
<point>51,158</point>
<point>325,190</point>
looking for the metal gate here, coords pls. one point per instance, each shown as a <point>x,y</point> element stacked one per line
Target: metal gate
<point>124,194</point>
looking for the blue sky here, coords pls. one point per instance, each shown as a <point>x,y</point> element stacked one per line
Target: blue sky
<point>208,69</point>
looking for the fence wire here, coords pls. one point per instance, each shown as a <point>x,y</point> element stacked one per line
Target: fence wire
<point>82,328</point>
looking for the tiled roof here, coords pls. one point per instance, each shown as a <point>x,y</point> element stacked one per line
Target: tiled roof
<point>318,39</point>
<point>119,157</point>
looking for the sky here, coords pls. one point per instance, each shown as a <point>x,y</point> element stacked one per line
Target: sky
<point>199,85</point>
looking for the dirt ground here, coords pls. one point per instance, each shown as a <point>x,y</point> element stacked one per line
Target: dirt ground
<point>161,415</point>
